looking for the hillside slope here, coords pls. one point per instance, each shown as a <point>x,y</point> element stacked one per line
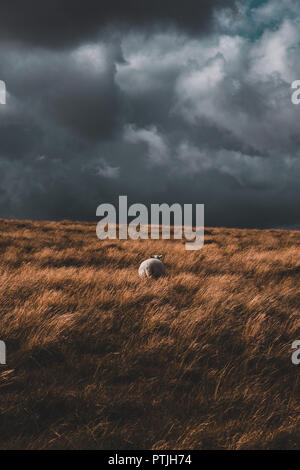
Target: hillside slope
<point>98,358</point>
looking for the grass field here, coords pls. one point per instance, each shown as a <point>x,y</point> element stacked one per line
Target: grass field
<point>98,358</point>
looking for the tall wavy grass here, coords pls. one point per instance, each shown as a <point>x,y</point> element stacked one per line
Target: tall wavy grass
<point>98,358</point>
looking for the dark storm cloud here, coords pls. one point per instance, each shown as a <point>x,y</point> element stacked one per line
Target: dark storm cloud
<point>188,114</point>
<point>57,23</point>
<point>77,90</point>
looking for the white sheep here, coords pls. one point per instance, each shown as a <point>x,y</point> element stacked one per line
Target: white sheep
<point>152,267</point>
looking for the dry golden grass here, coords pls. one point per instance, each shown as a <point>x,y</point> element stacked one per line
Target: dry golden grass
<point>98,358</point>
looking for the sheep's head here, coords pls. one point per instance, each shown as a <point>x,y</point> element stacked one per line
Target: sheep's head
<point>156,256</point>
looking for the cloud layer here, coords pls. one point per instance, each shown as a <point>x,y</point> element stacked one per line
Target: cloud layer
<point>166,104</point>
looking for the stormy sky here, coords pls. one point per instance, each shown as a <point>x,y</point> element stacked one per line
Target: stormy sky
<point>165,101</point>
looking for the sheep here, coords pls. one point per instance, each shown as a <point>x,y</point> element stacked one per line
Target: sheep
<point>152,267</point>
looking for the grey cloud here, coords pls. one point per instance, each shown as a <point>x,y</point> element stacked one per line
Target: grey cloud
<point>160,114</point>
<point>76,89</point>
<point>61,23</point>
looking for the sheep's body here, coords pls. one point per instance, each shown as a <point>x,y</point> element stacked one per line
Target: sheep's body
<point>152,267</point>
